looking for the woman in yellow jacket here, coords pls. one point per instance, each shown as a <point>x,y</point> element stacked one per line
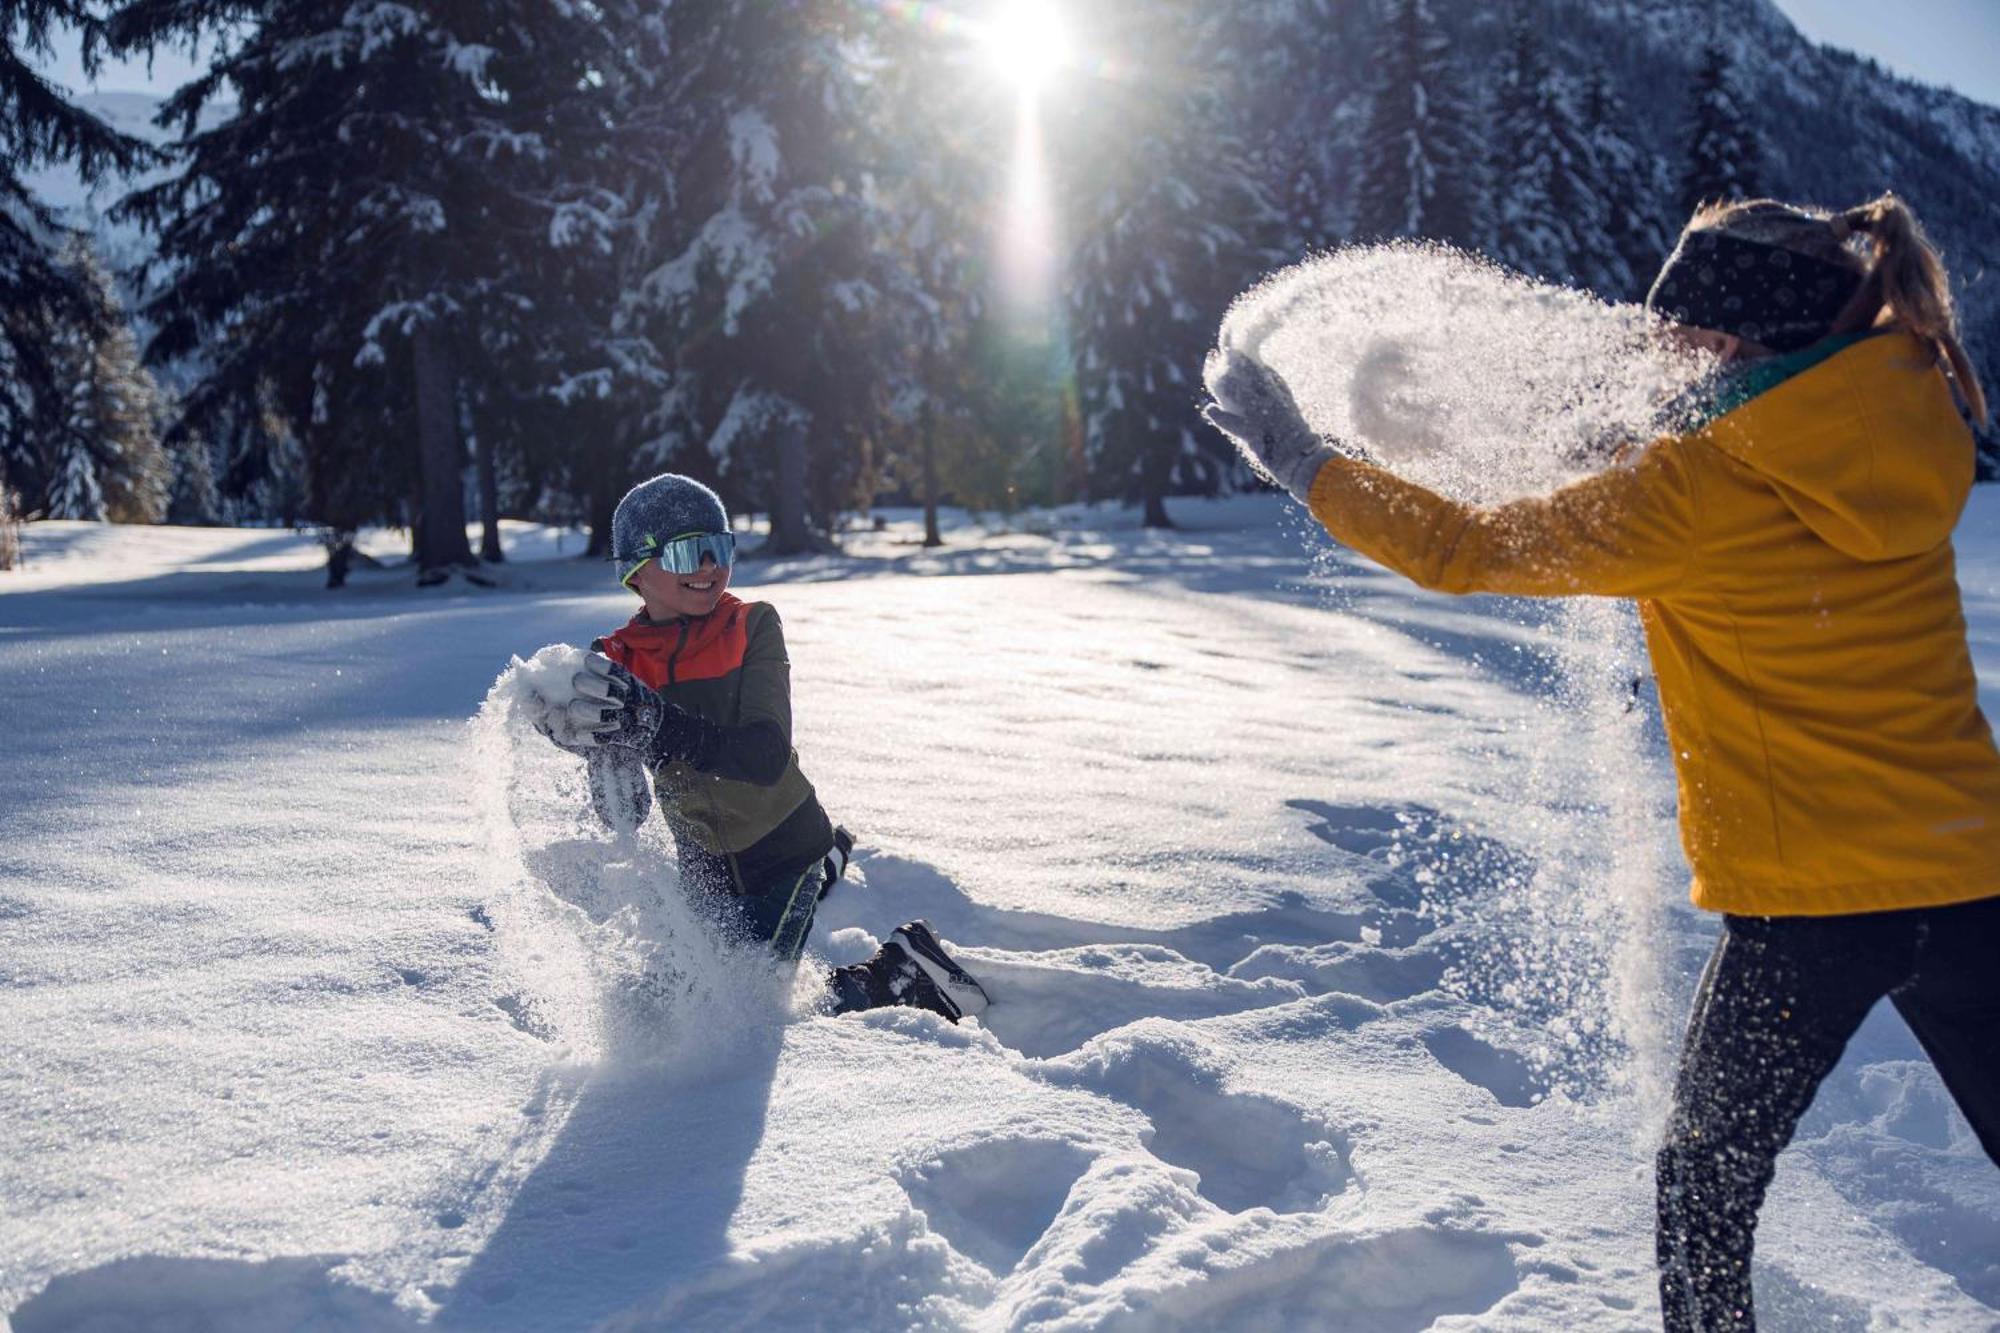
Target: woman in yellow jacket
<point>1792,561</point>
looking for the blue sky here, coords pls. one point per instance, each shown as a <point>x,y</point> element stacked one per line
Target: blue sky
<point>1953,42</point>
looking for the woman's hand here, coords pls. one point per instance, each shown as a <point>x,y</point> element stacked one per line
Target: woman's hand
<point>1257,412</point>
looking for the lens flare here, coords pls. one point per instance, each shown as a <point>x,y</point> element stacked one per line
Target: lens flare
<point>1027,42</point>
<point>1028,227</point>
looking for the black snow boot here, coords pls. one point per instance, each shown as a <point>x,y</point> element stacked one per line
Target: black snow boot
<point>911,969</point>
<point>957,985</point>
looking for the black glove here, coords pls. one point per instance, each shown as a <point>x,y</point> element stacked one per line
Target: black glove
<point>564,741</point>
<point>613,707</point>
<point>620,791</point>
<point>834,866</point>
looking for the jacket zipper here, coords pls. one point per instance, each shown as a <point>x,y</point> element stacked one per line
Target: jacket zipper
<point>674,657</point>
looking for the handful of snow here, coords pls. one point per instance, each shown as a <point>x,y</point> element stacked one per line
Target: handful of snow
<point>1456,373</point>
<point>542,687</point>
<point>549,675</point>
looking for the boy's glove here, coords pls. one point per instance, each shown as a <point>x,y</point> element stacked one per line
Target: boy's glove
<point>613,707</point>
<point>546,721</point>
<point>835,864</point>
<point>620,791</point>
<point>1257,412</point>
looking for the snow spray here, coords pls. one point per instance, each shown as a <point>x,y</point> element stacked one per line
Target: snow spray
<point>616,962</point>
<point>1485,386</point>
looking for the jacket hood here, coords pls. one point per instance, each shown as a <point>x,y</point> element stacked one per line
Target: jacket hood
<point>1867,448</point>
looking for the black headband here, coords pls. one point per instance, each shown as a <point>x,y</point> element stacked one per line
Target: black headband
<point>1761,293</point>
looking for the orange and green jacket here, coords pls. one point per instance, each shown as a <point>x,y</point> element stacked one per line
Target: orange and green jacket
<point>753,808</point>
<point>1793,566</point>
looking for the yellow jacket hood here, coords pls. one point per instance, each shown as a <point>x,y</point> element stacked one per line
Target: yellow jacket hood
<point>1862,448</point>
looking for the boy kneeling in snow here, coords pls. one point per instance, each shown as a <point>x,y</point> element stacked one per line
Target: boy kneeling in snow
<point>697,689</point>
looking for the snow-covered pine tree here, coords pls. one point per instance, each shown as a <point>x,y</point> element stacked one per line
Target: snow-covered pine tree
<point>1419,162</point>
<point>1637,190</point>
<point>565,391</point>
<point>605,407</point>
<point>1724,157</point>
<point>74,491</point>
<point>40,294</point>
<point>111,415</point>
<point>1549,213</point>
<point>1160,215</point>
<point>1301,95</point>
<point>194,497</point>
<point>300,241</point>
<point>364,221</point>
<point>773,281</point>
<point>10,528</point>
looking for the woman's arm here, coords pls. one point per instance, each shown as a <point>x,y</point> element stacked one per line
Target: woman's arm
<point>1629,531</point>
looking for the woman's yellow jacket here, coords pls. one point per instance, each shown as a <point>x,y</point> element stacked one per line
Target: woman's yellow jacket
<point>1794,570</point>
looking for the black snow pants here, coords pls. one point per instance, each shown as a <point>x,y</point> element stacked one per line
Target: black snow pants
<point>1777,1004</point>
<point>776,909</point>
<point>779,912</point>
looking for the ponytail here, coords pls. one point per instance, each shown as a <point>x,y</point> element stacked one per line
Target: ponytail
<point>1906,285</point>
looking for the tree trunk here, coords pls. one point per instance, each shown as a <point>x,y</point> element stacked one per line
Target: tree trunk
<point>928,424</point>
<point>788,505</point>
<point>1153,472</point>
<point>489,501</point>
<point>339,556</point>
<point>603,502</point>
<point>441,542</point>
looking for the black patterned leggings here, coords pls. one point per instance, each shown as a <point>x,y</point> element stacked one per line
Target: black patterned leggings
<point>1777,1003</point>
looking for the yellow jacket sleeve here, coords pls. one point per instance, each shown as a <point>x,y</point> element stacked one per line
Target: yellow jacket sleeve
<point>1628,531</point>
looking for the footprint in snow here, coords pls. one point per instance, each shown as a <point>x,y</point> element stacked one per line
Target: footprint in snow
<point>1509,1077</point>
<point>1424,857</point>
<point>1342,968</point>
<point>1395,1282</point>
<point>1249,1151</point>
<point>992,1201</point>
<point>1054,1002</point>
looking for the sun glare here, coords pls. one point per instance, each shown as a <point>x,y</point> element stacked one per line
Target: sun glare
<point>1027,42</point>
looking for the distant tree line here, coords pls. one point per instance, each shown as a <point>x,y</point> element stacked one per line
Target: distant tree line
<point>420,261</point>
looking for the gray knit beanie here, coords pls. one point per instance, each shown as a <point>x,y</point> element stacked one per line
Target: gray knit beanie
<point>666,507</point>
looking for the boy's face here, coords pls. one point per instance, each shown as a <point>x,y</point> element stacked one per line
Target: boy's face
<point>670,596</point>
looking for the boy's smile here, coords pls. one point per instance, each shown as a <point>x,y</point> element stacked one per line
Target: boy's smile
<point>671,596</point>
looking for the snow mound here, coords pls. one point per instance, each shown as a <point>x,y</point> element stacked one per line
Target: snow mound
<point>1455,372</point>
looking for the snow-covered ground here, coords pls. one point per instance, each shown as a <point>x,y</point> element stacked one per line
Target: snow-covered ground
<point>1334,947</point>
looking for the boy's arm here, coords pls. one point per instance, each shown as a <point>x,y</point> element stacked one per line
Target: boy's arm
<point>759,748</point>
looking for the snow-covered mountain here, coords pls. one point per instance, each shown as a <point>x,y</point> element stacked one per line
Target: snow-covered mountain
<point>1838,128</point>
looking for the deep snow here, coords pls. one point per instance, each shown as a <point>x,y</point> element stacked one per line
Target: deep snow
<point>323,1005</point>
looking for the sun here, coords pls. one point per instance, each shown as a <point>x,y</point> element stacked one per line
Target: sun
<point>1027,42</point>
